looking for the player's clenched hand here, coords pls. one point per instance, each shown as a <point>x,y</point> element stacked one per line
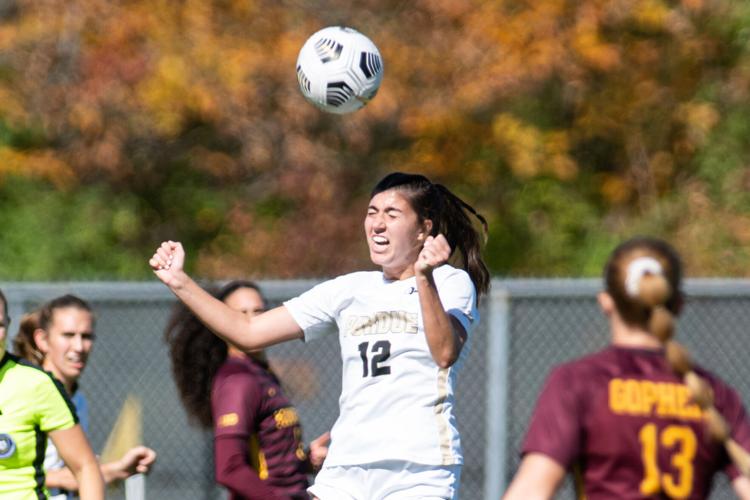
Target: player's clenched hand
<point>319,450</point>
<point>168,261</point>
<point>435,253</point>
<point>136,460</point>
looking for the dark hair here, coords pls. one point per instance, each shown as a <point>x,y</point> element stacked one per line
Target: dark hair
<point>24,344</point>
<point>659,294</point>
<point>47,311</point>
<point>448,214</point>
<point>197,354</point>
<point>644,276</point>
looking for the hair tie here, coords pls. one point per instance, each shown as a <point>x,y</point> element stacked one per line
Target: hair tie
<point>636,270</point>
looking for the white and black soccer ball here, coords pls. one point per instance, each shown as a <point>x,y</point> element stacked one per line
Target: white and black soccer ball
<point>339,69</point>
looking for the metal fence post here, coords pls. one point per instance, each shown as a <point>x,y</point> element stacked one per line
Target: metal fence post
<point>497,393</point>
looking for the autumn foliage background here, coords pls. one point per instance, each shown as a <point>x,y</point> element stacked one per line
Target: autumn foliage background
<point>570,124</point>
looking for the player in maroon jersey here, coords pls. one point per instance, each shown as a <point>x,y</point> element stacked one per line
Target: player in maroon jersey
<point>259,454</point>
<point>623,420</point>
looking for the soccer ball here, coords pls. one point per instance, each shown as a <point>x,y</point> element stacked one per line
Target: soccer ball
<point>339,69</point>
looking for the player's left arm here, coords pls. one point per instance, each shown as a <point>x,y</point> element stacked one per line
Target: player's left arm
<point>537,478</point>
<point>137,460</point>
<point>445,334</point>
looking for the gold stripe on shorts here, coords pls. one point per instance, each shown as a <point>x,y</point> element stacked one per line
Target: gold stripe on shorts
<point>444,433</point>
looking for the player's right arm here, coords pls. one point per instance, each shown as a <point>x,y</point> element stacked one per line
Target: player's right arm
<point>552,440</point>
<point>537,478</point>
<point>235,327</point>
<point>741,487</point>
<point>76,452</point>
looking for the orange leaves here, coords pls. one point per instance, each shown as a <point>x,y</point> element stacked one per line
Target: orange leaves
<point>532,152</point>
<point>38,164</point>
<point>608,103</point>
<point>698,118</point>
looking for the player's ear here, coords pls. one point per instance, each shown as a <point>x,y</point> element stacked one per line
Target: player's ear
<point>606,302</point>
<point>41,339</point>
<point>426,230</point>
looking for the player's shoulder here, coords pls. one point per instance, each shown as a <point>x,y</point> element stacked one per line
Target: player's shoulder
<point>359,277</point>
<point>351,280</point>
<point>722,390</point>
<point>23,371</point>
<point>234,366</point>
<point>597,362</point>
<point>29,380</point>
<point>456,276</point>
<point>447,270</point>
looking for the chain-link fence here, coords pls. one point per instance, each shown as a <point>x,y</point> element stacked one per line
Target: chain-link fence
<point>527,326</point>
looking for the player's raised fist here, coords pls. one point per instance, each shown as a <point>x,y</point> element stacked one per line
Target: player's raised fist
<point>168,261</point>
<point>435,252</point>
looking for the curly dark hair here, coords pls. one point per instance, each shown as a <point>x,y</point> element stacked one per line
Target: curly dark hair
<point>196,355</point>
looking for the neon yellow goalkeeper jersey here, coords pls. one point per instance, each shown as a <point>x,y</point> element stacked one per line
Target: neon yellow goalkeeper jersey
<point>32,403</point>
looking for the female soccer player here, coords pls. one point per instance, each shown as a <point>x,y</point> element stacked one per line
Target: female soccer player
<point>258,452</point>
<point>623,419</point>
<point>60,336</point>
<point>32,407</point>
<point>402,332</point>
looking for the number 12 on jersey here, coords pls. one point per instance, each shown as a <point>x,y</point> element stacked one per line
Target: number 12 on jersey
<point>380,352</point>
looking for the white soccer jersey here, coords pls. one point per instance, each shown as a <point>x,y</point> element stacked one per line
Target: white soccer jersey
<point>396,403</point>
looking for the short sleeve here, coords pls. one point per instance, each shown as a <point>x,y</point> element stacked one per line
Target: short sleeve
<point>315,310</point>
<point>82,409</point>
<point>235,401</point>
<point>458,297</point>
<point>730,406</point>
<point>555,427</point>
<point>54,410</point>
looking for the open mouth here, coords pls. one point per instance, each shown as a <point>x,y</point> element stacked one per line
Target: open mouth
<point>380,240</point>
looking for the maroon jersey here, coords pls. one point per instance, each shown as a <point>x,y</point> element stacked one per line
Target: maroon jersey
<point>257,434</point>
<point>622,420</point>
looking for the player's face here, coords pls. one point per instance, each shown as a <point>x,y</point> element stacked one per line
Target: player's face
<point>67,343</point>
<point>3,328</point>
<point>394,234</point>
<point>246,300</point>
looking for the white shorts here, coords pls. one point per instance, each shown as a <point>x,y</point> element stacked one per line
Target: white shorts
<point>387,480</point>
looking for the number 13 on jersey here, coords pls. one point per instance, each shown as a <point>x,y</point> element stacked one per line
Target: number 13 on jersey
<point>683,444</point>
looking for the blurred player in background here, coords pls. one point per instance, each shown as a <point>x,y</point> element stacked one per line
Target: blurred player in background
<point>402,332</point>
<point>33,406</point>
<point>622,419</point>
<point>60,337</point>
<point>258,449</point>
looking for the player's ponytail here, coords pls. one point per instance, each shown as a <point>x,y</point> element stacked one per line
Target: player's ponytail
<point>643,277</point>
<point>451,217</point>
<point>24,344</point>
<point>463,237</point>
<point>646,284</point>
